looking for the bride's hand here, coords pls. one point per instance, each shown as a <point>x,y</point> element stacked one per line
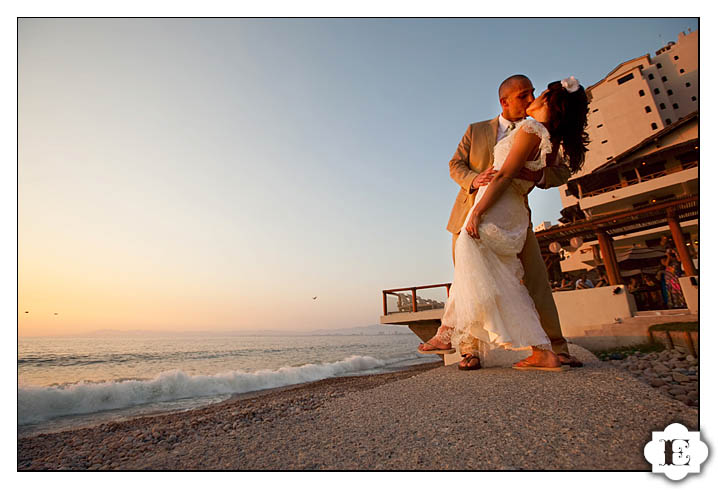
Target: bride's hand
<point>472,227</point>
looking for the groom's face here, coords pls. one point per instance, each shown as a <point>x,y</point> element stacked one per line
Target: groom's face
<point>517,99</point>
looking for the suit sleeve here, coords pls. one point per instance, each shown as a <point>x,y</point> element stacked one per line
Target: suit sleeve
<point>459,169</point>
<point>556,174</point>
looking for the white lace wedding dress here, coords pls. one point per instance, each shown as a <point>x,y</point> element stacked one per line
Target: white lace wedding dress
<point>487,300</point>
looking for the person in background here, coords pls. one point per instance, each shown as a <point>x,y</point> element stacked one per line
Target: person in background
<point>583,282</point>
<point>566,283</point>
<point>670,286</point>
<point>602,280</point>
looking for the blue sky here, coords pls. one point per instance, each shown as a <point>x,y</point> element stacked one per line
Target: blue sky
<point>218,173</point>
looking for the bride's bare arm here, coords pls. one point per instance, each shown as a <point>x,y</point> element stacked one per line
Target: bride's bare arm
<point>525,145</point>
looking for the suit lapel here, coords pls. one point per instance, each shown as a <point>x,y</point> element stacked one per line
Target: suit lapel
<point>492,131</point>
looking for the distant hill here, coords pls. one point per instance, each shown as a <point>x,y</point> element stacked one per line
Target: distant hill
<point>364,330</point>
<point>367,330</point>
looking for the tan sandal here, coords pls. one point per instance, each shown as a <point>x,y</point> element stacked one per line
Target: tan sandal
<point>525,365</point>
<point>435,349</point>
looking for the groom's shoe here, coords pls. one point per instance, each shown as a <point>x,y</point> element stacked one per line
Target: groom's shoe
<point>569,360</point>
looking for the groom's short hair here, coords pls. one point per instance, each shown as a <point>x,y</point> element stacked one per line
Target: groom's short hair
<point>506,84</point>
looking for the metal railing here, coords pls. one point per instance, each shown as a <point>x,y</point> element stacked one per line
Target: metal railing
<point>643,178</point>
<point>414,303</point>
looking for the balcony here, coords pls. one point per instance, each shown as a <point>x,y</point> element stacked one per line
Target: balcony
<point>635,181</point>
<point>606,197</point>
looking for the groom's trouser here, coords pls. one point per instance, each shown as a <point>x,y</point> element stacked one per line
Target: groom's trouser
<point>537,282</point>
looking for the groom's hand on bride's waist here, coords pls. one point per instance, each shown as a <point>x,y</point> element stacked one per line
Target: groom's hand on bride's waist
<point>485,177</point>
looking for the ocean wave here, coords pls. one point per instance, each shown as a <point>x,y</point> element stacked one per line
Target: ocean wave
<point>41,403</point>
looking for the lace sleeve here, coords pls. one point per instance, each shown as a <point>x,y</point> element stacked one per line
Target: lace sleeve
<point>545,147</point>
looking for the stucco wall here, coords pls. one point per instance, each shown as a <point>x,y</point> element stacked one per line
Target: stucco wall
<point>584,308</point>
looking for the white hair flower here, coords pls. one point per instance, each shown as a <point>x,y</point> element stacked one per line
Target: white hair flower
<point>570,84</point>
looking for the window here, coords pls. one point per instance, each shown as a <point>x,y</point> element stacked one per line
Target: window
<point>654,126</point>
<point>675,106</point>
<point>656,91</point>
<point>568,192</point>
<point>608,158</point>
<point>662,105</point>
<point>664,79</point>
<point>668,121</point>
<point>675,57</point>
<point>625,79</point>
<point>641,93</point>
<point>595,110</point>
<point>669,92</point>
<point>600,125</point>
<point>604,142</point>
<point>682,70</point>
<point>693,98</point>
<point>659,66</point>
<point>647,109</point>
<point>688,84</point>
<point>650,76</point>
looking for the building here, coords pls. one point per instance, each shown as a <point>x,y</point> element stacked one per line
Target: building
<point>639,98</point>
<point>644,152</point>
<point>544,225</point>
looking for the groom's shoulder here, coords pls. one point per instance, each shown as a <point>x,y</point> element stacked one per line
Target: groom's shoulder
<point>482,124</point>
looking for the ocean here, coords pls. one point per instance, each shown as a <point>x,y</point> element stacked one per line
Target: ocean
<point>71,382</point>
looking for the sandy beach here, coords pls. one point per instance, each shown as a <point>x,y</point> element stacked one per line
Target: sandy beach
<point>428,417</point>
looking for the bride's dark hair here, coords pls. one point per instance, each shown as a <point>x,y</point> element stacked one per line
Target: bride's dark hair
<point>568,112</point>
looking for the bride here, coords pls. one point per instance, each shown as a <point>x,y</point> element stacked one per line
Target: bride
<point>487,300</point>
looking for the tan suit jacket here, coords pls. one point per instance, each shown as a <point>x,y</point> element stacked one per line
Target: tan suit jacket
<point>475,154</point>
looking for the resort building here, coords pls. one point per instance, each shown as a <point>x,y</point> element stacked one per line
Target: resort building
<point>643,156</point>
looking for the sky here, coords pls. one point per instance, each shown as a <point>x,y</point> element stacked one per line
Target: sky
<point>217,174</point>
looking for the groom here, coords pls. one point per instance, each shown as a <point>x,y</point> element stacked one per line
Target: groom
<point>471,168</point>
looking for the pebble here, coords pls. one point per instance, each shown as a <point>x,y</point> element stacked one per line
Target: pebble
<point>673,372</point>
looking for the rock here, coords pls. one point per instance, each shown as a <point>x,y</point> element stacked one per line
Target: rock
<point>660,368</point>
<point>677,390</point>
<point>680,378</point>
<point>616,356</point>
<point>655,382</point>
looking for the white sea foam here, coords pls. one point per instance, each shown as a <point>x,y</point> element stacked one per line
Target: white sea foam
<point>37,404</point>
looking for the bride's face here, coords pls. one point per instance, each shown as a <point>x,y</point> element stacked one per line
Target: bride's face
<point>539,108</point>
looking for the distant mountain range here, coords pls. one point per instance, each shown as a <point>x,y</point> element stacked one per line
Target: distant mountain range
<point>364,330</point>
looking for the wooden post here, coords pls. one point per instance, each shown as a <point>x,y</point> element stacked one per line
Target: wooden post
<point>413,299</point>
<point>448,287</point>
<point>691,347</point>
<point>609,257</point>
<point>596,255</point>
<point>679,240</point>
<point>384,295</point>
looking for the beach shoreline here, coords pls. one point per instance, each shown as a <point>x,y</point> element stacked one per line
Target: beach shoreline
<point>427,417</point>
<point>131,437</point>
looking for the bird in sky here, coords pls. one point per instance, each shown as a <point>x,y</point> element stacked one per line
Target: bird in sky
<point>314,297</point>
